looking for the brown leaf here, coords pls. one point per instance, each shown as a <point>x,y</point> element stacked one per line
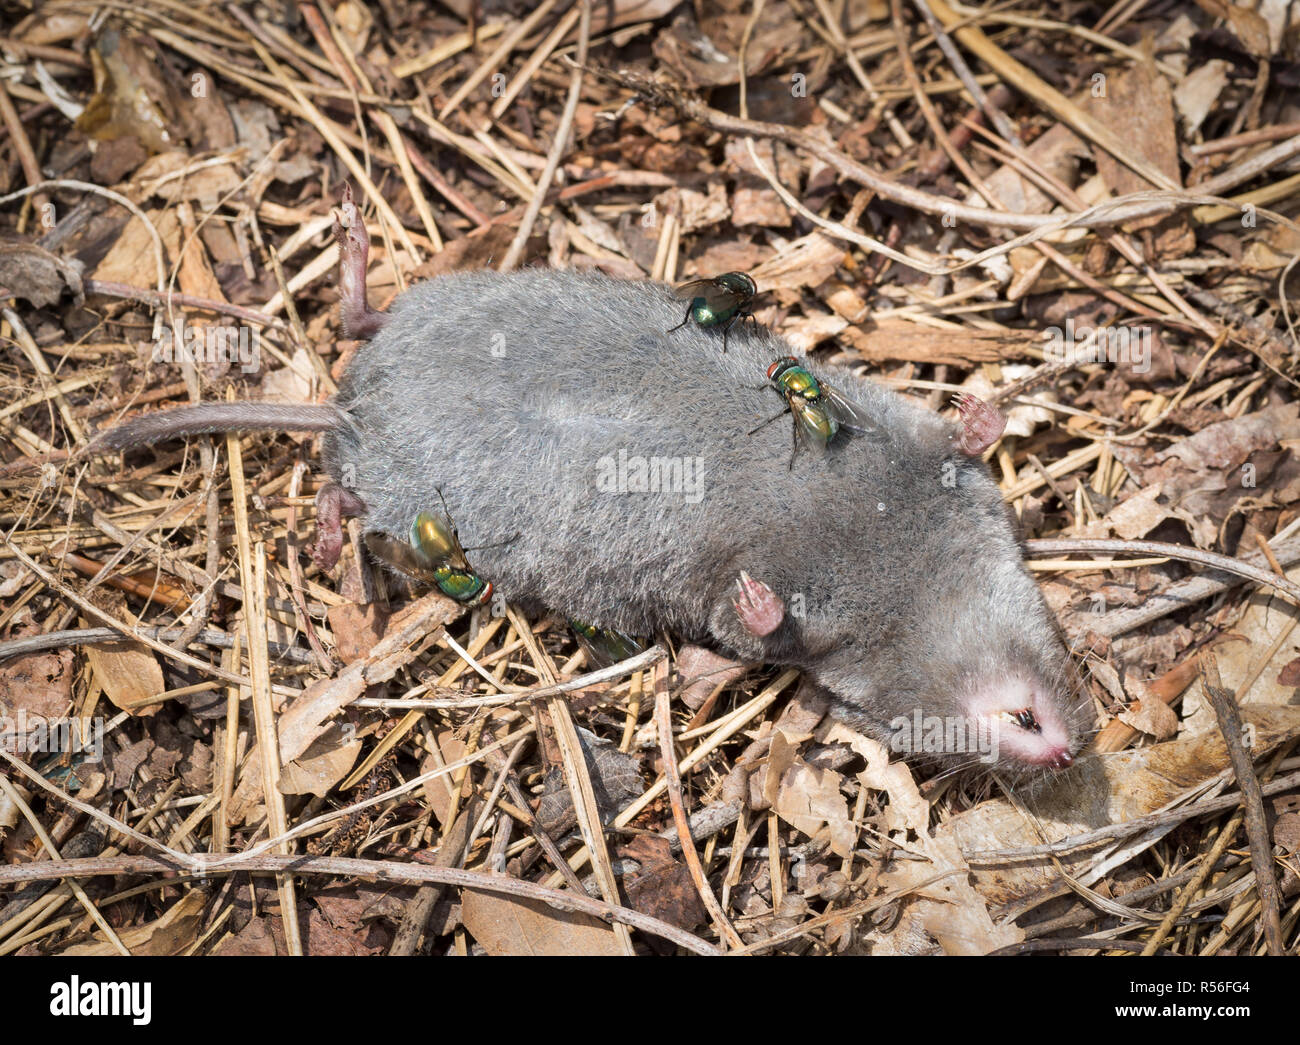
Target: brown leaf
<point>36,275</point>
<point>615,780</point>
<point>511,925</point>
<point>1290,673</point>
<point>1153,717</point>
<point>663,887</point>
<point>356,628</point>
<point>437,792</point>
<point>327,761</point>
<point>1199,92</point>
<point>134,95</point>
<point>1138,104</point>
<point>38,685</point>
<point>129,673</point>
<point>322,935</point>
<point>702,671</point>
<point>1138,515</point>
<point>254,939</point>
<point>810,798</point>
<point>759,206</point>
<point>170,934</point>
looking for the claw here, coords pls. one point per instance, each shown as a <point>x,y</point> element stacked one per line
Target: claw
<point>981,424</point>
<point>758,607</point>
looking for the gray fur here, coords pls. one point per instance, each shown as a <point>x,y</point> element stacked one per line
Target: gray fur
<point>513,392</point>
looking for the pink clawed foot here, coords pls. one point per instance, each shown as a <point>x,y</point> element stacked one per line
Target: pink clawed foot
<point>758,607</point>
<point>982,424</point>
<point>359,322</point>
<point>333,502</point>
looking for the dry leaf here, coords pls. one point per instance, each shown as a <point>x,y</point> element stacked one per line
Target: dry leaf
<point>129,673</point>
<point>1153,717</point>
<point>327,761</point>
<point>36,275</point>
<point>510,925</point>
<point>1199,92</point>
<point>1264,622</point>
<point>171,934</point>
<point>615,781</point>
<point>1138,515</point>
<point>663,887</point>
<point>809,798</point>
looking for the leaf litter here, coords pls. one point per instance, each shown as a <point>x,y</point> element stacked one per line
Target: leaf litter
<point>429,757</point>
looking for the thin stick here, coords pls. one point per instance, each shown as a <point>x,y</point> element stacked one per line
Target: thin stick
<point>252,575</point>
<point>558,147</point>
<point>23,147</point>
<point>376,870</point>
<point>664,722</point>
<point>995,115</point>
<point>1252,801</point>
<point>1173,551</point>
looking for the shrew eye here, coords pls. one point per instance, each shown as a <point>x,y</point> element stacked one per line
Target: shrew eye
<point>1027,721</point>
<point>1024,719</point>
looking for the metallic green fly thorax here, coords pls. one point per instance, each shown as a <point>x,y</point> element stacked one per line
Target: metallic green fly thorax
<point>719,301</point>
<point>819,410</point>
<point>435,557</point>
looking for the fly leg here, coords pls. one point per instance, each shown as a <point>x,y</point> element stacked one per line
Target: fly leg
<point>726,330</point>
<point>738,316</point>
<point>774,417</point>
<point>686,319</point>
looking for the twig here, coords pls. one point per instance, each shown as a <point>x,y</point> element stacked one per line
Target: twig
<point>996,116</point>
<point>1252,801</point>
<point>371,870</point>
<point>1128,827</point>
<point>664,722</point>
<point>558,147</point>
<point>1065,546</point>
<point>23,147</point>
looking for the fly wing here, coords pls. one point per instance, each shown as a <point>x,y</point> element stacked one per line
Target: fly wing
<point>605,646</point>
<point>435,537</point>
<point>403,557</point>
<point>812,426</point>
<point>849,414</point>
<point>718,297</point>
